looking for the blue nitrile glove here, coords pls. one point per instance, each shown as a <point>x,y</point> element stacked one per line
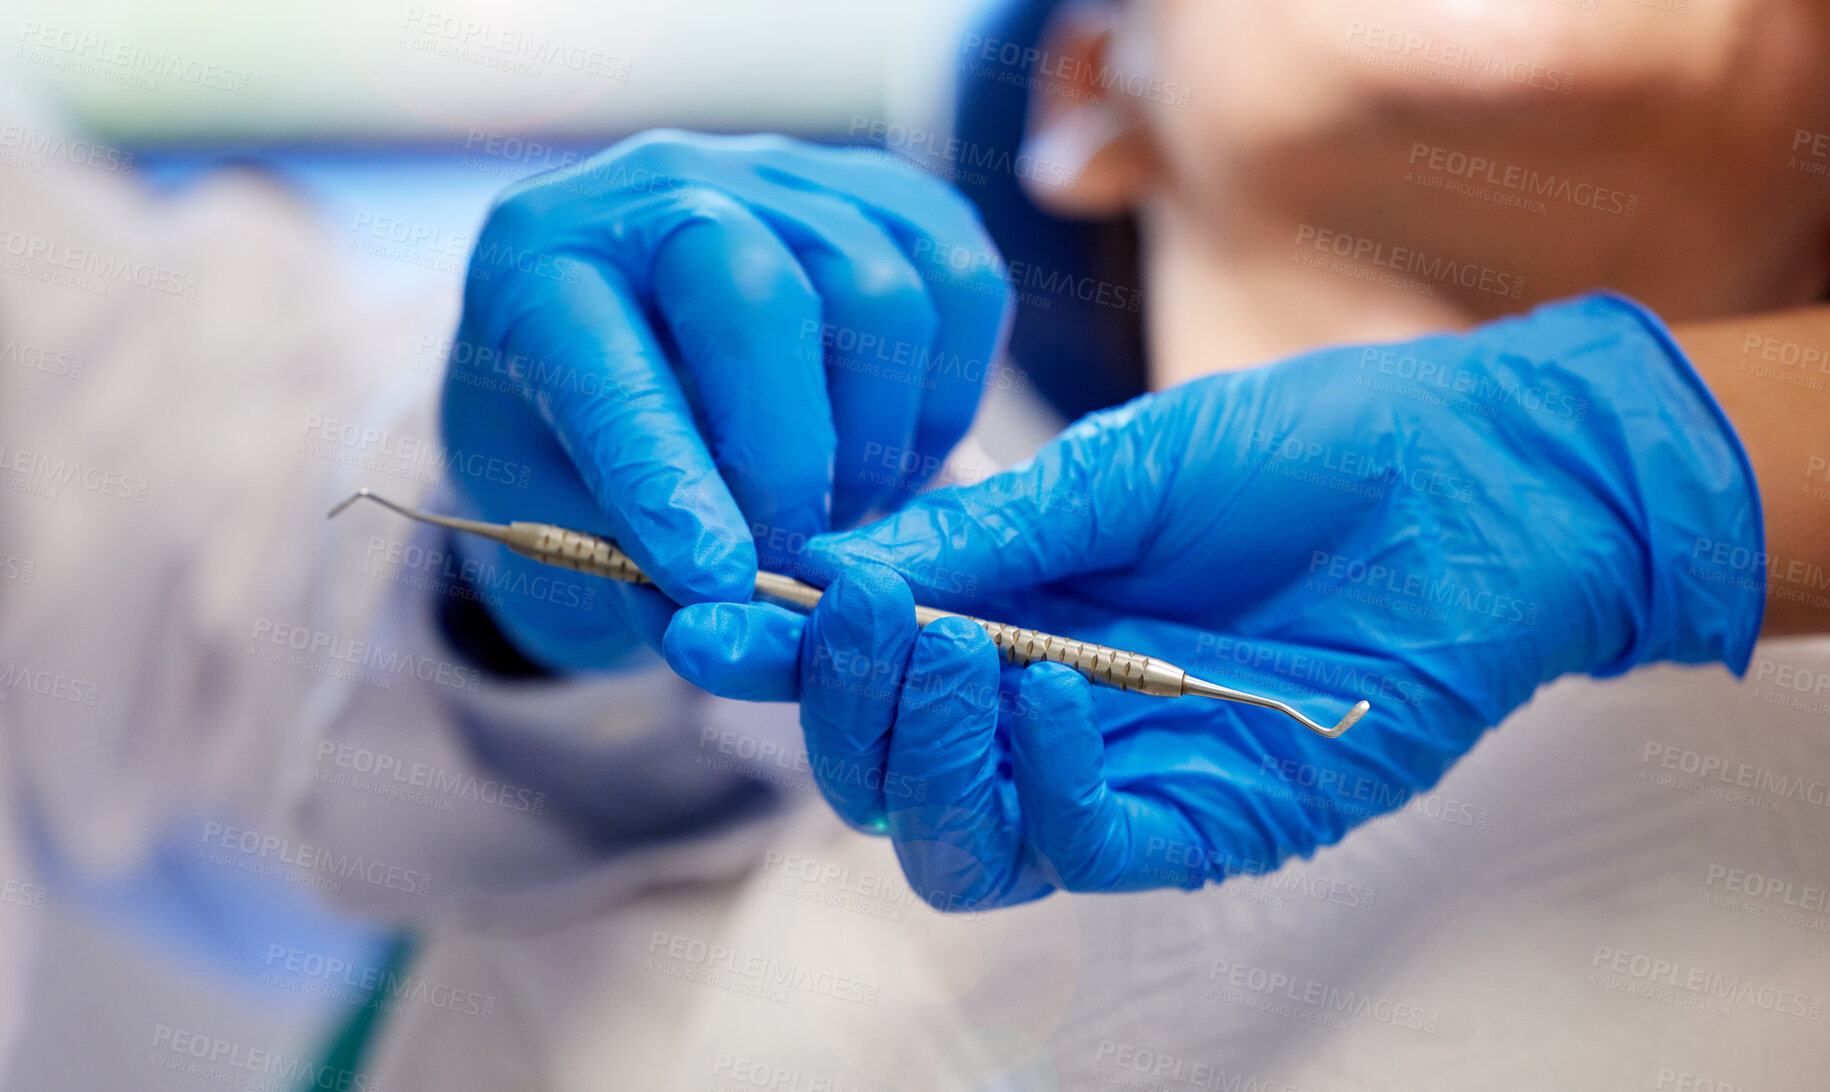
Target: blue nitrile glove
<point>706,347</point>
<point>1437,527</point>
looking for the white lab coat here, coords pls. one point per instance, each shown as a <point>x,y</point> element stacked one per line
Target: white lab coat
<point>1623,888</point>
<point>160,360</point>
<point>191,654</point>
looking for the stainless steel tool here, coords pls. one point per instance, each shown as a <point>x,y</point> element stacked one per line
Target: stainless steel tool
<point>1105,666</point>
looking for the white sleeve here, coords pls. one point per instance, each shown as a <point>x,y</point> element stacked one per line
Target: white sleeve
<point>188,386</point>
<point>523,804</point>
<point>165,366</point>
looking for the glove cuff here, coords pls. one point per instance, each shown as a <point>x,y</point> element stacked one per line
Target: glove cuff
<point>1697,505</point>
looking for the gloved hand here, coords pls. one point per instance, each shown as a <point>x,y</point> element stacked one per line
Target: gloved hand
<point>702,347</point>
<point>1437,527</point>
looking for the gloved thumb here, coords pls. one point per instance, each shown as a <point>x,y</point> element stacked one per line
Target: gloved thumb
<point>1086,502</point>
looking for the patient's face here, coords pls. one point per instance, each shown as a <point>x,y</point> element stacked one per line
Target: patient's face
<point>1670,148</point>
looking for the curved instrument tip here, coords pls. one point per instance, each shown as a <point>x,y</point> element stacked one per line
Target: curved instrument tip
<point>1205,689</point>
<point>347,501</point>
<point>469,526</point>
<point>1359,710</point>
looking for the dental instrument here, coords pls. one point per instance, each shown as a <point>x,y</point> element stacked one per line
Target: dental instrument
<point>1101,665</point>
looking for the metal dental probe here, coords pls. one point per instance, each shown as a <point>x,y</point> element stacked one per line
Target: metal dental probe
<point>1102,665</point>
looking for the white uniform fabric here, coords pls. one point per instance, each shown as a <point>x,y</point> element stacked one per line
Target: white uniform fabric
<point>161,361</point>
<point>1624,887</point>
<point>190,652</point>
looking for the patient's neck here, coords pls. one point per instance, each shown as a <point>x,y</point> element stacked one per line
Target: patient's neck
<point>1220,307</point>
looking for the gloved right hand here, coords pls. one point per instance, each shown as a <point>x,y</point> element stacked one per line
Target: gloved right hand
<point>708,348</point>
<point>1437,527</point>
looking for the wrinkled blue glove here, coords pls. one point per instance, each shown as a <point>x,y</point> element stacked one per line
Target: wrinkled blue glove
<point>704,347</point>
<point>1437,527</point>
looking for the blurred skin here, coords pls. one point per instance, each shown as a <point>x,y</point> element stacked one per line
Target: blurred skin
<point>1693,112</point>
<point>1292,118</point>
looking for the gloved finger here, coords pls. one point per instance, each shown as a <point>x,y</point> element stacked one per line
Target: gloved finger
<point>959,846</point>
<point>970,287</point>
<point>745,651</point>
<point>1088,502</point>
<point>507,466</point>
<point>854,653</point>
<point>1089,836</point>
<point>746,322</point>
<point>593,369</point>
<point>946,241</point>
<point>564,622</point>
<point>878,341</point>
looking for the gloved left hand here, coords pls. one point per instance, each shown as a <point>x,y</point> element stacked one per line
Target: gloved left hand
<point>1438,527</point>
<point>708,348</point>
